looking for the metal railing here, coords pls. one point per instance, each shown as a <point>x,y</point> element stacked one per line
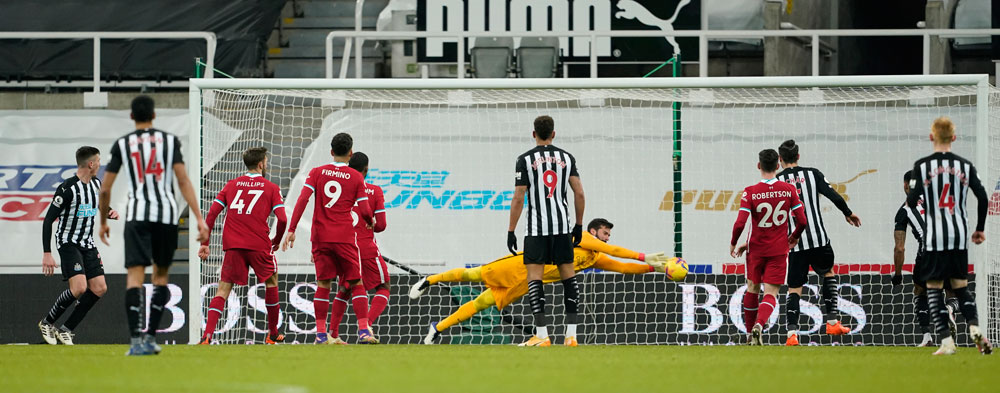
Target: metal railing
<point>97,36</point>
<point>356,38</point>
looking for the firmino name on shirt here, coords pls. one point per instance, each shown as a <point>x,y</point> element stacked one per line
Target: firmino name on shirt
<point>771,194</point>
<point>253,184</point>
<point>342,175</point>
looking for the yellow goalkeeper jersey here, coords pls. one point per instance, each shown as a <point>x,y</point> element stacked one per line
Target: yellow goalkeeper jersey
<point>510,271</point>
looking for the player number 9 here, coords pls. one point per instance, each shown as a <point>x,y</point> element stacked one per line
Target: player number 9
<point>772,215</point>
<point>334,194</point>
<point>549,177</point>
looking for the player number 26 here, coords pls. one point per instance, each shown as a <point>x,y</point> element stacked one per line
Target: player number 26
<point>772,215</point>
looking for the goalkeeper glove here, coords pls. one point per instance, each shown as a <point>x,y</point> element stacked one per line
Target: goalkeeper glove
<point>577,234</point>
<point>657,261</point>
<point>897,279</point>
<point>512,242</point>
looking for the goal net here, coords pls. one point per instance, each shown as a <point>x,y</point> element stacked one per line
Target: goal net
<point>663,160</point>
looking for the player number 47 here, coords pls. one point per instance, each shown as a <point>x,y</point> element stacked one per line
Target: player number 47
<point>238,201</point>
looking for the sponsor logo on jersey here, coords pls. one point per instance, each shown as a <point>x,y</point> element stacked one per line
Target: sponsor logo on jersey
<point>726,200</point>
<point>85,209</point>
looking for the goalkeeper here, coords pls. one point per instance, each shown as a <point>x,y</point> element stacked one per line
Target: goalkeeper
<point>506,278</point>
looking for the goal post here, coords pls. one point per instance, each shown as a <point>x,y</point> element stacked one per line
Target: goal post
<point>443,151</point>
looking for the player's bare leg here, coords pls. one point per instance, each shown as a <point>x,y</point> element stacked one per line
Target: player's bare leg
<point>465,312</point>
<point>321,305</point>
<point>751,302</point>
<point>792,316</point>
<point>215,310</point>
<point>273,310</point>
<point>133,306</point>
<point>536,295</point>
<point>453,275</point>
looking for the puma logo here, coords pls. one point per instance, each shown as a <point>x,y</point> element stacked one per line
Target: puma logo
<point>632,10</point>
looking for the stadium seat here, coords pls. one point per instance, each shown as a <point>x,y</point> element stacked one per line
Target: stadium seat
<point>492,57</point>
<point>538,57</point>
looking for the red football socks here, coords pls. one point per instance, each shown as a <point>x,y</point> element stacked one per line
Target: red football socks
<point>215,308</point>
<point>273,313</point>
<point>321,305</point>
<point>379,303</point>
<point>360,302</point>
<point>338,307</point>
<point>766,307</point>
<point>750,302</point>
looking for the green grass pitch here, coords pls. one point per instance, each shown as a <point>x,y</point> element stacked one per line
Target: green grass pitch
<point>462,368</point>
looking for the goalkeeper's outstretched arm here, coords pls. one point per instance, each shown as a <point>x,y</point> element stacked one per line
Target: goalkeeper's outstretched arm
<point>605,263</point>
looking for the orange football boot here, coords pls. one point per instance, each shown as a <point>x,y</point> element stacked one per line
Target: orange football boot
<point>792,341</point>
<point>836,329</point>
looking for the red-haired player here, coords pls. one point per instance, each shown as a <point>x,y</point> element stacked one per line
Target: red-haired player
<point>375,273</point>
<point>335,252</point>
<point>767,203</point>
<point>248,201</point>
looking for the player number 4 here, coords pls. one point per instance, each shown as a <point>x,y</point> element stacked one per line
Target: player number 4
<point>772,215</point>
<point>946,200</point>
<point>238,201</point>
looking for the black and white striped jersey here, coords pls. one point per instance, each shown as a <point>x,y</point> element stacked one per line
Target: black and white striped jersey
<point>810,184</point>
<point>146,158</point>
<point>546,171</point>
<point>914,218</point>
<point>944,180</point>
<point>75,206</point>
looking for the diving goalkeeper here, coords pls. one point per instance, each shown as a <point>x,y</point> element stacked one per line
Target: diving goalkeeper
<point>506,278</point>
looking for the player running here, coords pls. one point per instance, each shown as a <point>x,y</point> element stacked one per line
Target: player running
<point>767,203</point>
<point>944,179</point>
<point>151,217</point>
<point>334,243</point>
<point>74,205</point>
<point>248,201</point>
<point>375,275</point>
<point>914,217</point>
<point>548,172</point>
<point>506,278</point>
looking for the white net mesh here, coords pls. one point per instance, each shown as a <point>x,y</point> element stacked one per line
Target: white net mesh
<point>445,160</point>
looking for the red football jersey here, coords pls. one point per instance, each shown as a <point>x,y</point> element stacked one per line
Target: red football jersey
<point>366,237</point>
<point>768,204</point>
<point>337,188</point>
<point>248,201</point>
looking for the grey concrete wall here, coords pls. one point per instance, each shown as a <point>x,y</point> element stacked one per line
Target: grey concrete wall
<point>786,56</point>
<point>36,100</point>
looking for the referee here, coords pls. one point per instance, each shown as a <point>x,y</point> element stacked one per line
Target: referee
<point>150,159</point>
<point>547,172</point>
